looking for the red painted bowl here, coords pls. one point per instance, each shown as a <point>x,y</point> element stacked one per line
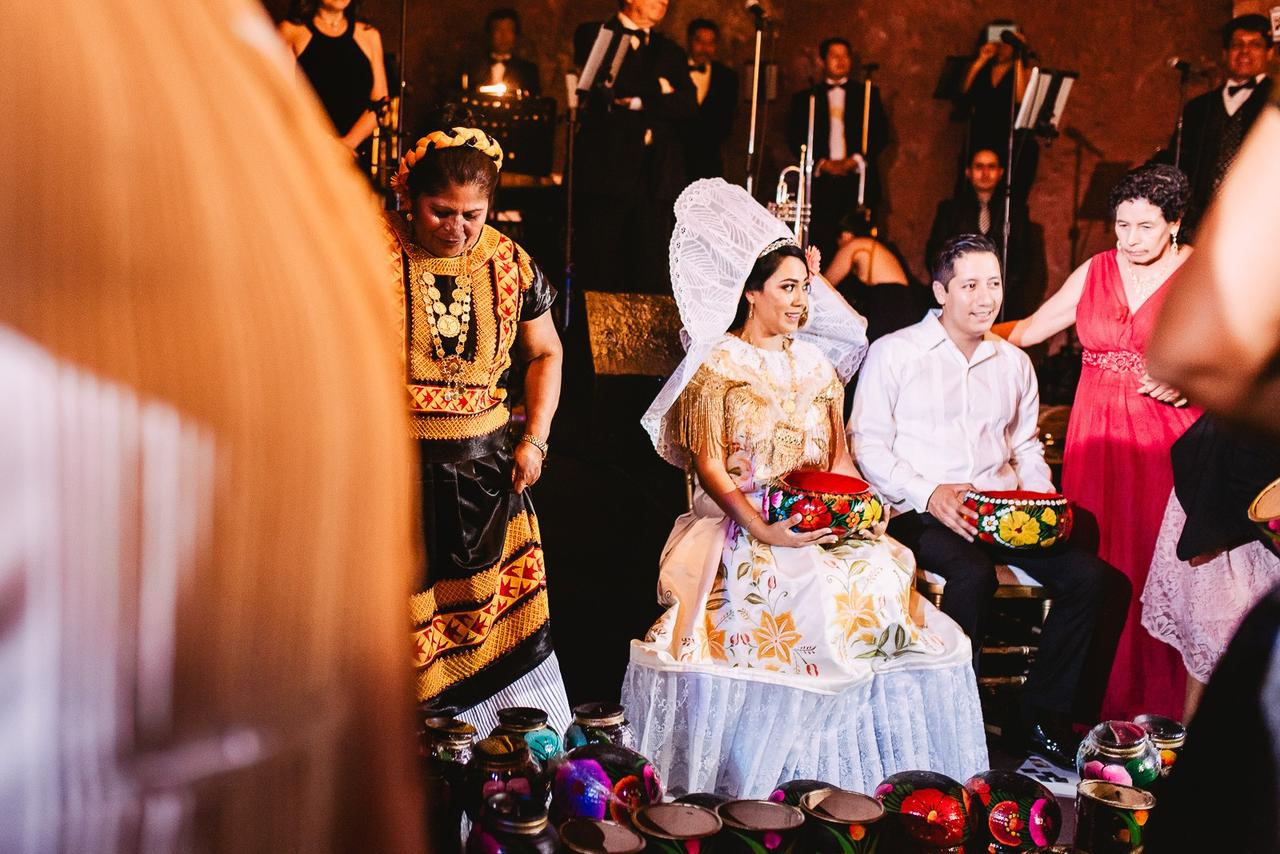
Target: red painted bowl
<point>844,504</point>
<point>1021,520</point>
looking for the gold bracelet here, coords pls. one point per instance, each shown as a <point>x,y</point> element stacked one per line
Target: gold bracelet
<point>536,442</point>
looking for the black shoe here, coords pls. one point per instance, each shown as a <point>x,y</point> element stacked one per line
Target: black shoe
<point>1056,750</point>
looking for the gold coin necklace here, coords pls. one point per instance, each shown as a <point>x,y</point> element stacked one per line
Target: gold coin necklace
<point>451,321</point>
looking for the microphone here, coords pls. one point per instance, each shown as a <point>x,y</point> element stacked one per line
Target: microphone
<point>1014,38</point>
<point>756,8</point>
<point>1177,63</point>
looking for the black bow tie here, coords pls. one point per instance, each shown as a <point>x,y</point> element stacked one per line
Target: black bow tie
<point>701,69</point>
<point>829,86</point>
<point>1232,91</point>
<point>643,35</point>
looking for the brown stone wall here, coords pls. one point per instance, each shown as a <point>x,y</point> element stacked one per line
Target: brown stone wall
<point>1123,107</point>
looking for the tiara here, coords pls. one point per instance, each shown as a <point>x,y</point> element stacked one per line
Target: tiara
<point>778,244</point>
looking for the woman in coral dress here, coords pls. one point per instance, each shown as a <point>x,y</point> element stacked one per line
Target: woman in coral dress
<point>1123,423</point>
<point>781,655</point>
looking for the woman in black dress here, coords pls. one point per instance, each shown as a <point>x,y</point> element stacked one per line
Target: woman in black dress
<point>986,93</point>
<point>341,56</point>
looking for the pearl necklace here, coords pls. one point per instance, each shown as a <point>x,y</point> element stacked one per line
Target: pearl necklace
<point>1145,287</point>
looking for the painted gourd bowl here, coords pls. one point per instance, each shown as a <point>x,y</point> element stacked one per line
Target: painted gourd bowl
<point>531,725</point>
<point>840,822</point>
<point>1111,818</point>
<point>1264,512</point>
<point>589,836</point>
<point>678,828</point>
<point>846,505</point>
<point>602,781</point>
<point>599,723</point>
<point>1021,520</point>
<point>756,827</point>
<point>1118,752</point>
<point>792,791</point>
<point>1012,812</point>
<point>924,812</point>
<point>1167,735</point>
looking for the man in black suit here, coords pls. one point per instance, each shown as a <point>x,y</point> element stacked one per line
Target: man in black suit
<point>1215,124</point>
<point>628,156</point>
<point>978,208</point>
<point>502,65</point>
<point>717,89</point>
<point>837,141</point>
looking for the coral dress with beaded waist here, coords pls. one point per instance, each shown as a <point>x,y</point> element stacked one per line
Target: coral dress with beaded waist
<point>1117,467</point>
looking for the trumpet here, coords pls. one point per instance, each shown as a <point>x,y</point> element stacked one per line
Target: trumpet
<point>797,208</point>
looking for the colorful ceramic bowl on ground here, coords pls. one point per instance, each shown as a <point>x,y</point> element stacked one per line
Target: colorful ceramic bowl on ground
<point>757,827</point>
<point>1118,752</point>
<point>1013,812</point>
<point>1110,818</point>
<point>602,781</point>
<point>792,791</point>
<point>677,828</point>
<point>840,822</point>
<point>1265,512</point>
<point>588,836</point>
<point>844,504</point>
<point>925,811</point>
<point>1021,520</point>
<point>1167,735</point>
<point>531,725</point>
<point>599,723</point>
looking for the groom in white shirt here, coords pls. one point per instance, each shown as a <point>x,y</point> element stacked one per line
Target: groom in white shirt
<point>945,406</point>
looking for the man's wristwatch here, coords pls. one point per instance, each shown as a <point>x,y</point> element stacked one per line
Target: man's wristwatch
<point>536,442</point>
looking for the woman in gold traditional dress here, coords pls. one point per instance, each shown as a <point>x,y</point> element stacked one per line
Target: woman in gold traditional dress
<point>781,654</point>
<point>469,297</point>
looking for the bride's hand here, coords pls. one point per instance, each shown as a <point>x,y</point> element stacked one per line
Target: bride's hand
<point>780,534</point>
<point>874,532</point>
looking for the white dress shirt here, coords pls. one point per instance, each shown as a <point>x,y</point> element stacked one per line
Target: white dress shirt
<point>923,415</point>
<point>1236,101</point>
<point>701,79</point>
<point>835,108</point>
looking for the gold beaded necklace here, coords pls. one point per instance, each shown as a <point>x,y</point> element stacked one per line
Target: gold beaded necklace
<point>451,321</point>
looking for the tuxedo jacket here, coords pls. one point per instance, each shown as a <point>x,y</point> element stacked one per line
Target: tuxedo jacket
<point>619,151</point>
<point>959,215</point>
<point>520,74</point>
<point>798,122</point>
<point>712,123</point>
<point>1204,121</point>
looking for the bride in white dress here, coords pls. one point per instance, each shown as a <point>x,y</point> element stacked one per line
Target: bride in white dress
<point>781,655</point>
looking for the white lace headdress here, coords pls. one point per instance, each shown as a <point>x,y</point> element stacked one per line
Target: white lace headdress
<point>720,232</point>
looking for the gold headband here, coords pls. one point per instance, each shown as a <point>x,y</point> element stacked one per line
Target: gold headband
<point>778,244</point>
<point>459,136</point>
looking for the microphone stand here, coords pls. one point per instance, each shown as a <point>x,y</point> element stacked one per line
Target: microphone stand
<point>758,14</point>
<point>1019,51</point>
<point>1184,73</point>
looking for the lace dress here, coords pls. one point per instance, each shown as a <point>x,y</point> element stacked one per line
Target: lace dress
<point>1197,609</point>
<point>778,663</point>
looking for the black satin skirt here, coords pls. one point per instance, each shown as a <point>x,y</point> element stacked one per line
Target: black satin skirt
<point>484,566</point>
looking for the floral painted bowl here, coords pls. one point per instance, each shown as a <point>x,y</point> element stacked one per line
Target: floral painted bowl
<point>840,822</point>
<point>752,827</point>
<point>1120,752</point>
<point>679,828</point>
<point>602,781</point>
<point>925,811</point>
<point>1013,812</point>
<point>844,504</point>
<point>1021,520</point>
<point>531,725</point>
<point>1265,512</point>
<point>1167,735</point>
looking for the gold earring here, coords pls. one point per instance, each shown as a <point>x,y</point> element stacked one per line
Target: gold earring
<point>1117,245</point>
<point>804,316</point>
<point>1175,241</point>
<point>751,309</point>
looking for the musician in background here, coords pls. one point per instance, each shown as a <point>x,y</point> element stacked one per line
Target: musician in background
<point>502,65</point>
<point>717,89</point>
<point>341,56</point>
<point>996,72</point>
<point>837,141</point>
<point>1215,124</point>
<point>978,208</point>
<point>629,160</point>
